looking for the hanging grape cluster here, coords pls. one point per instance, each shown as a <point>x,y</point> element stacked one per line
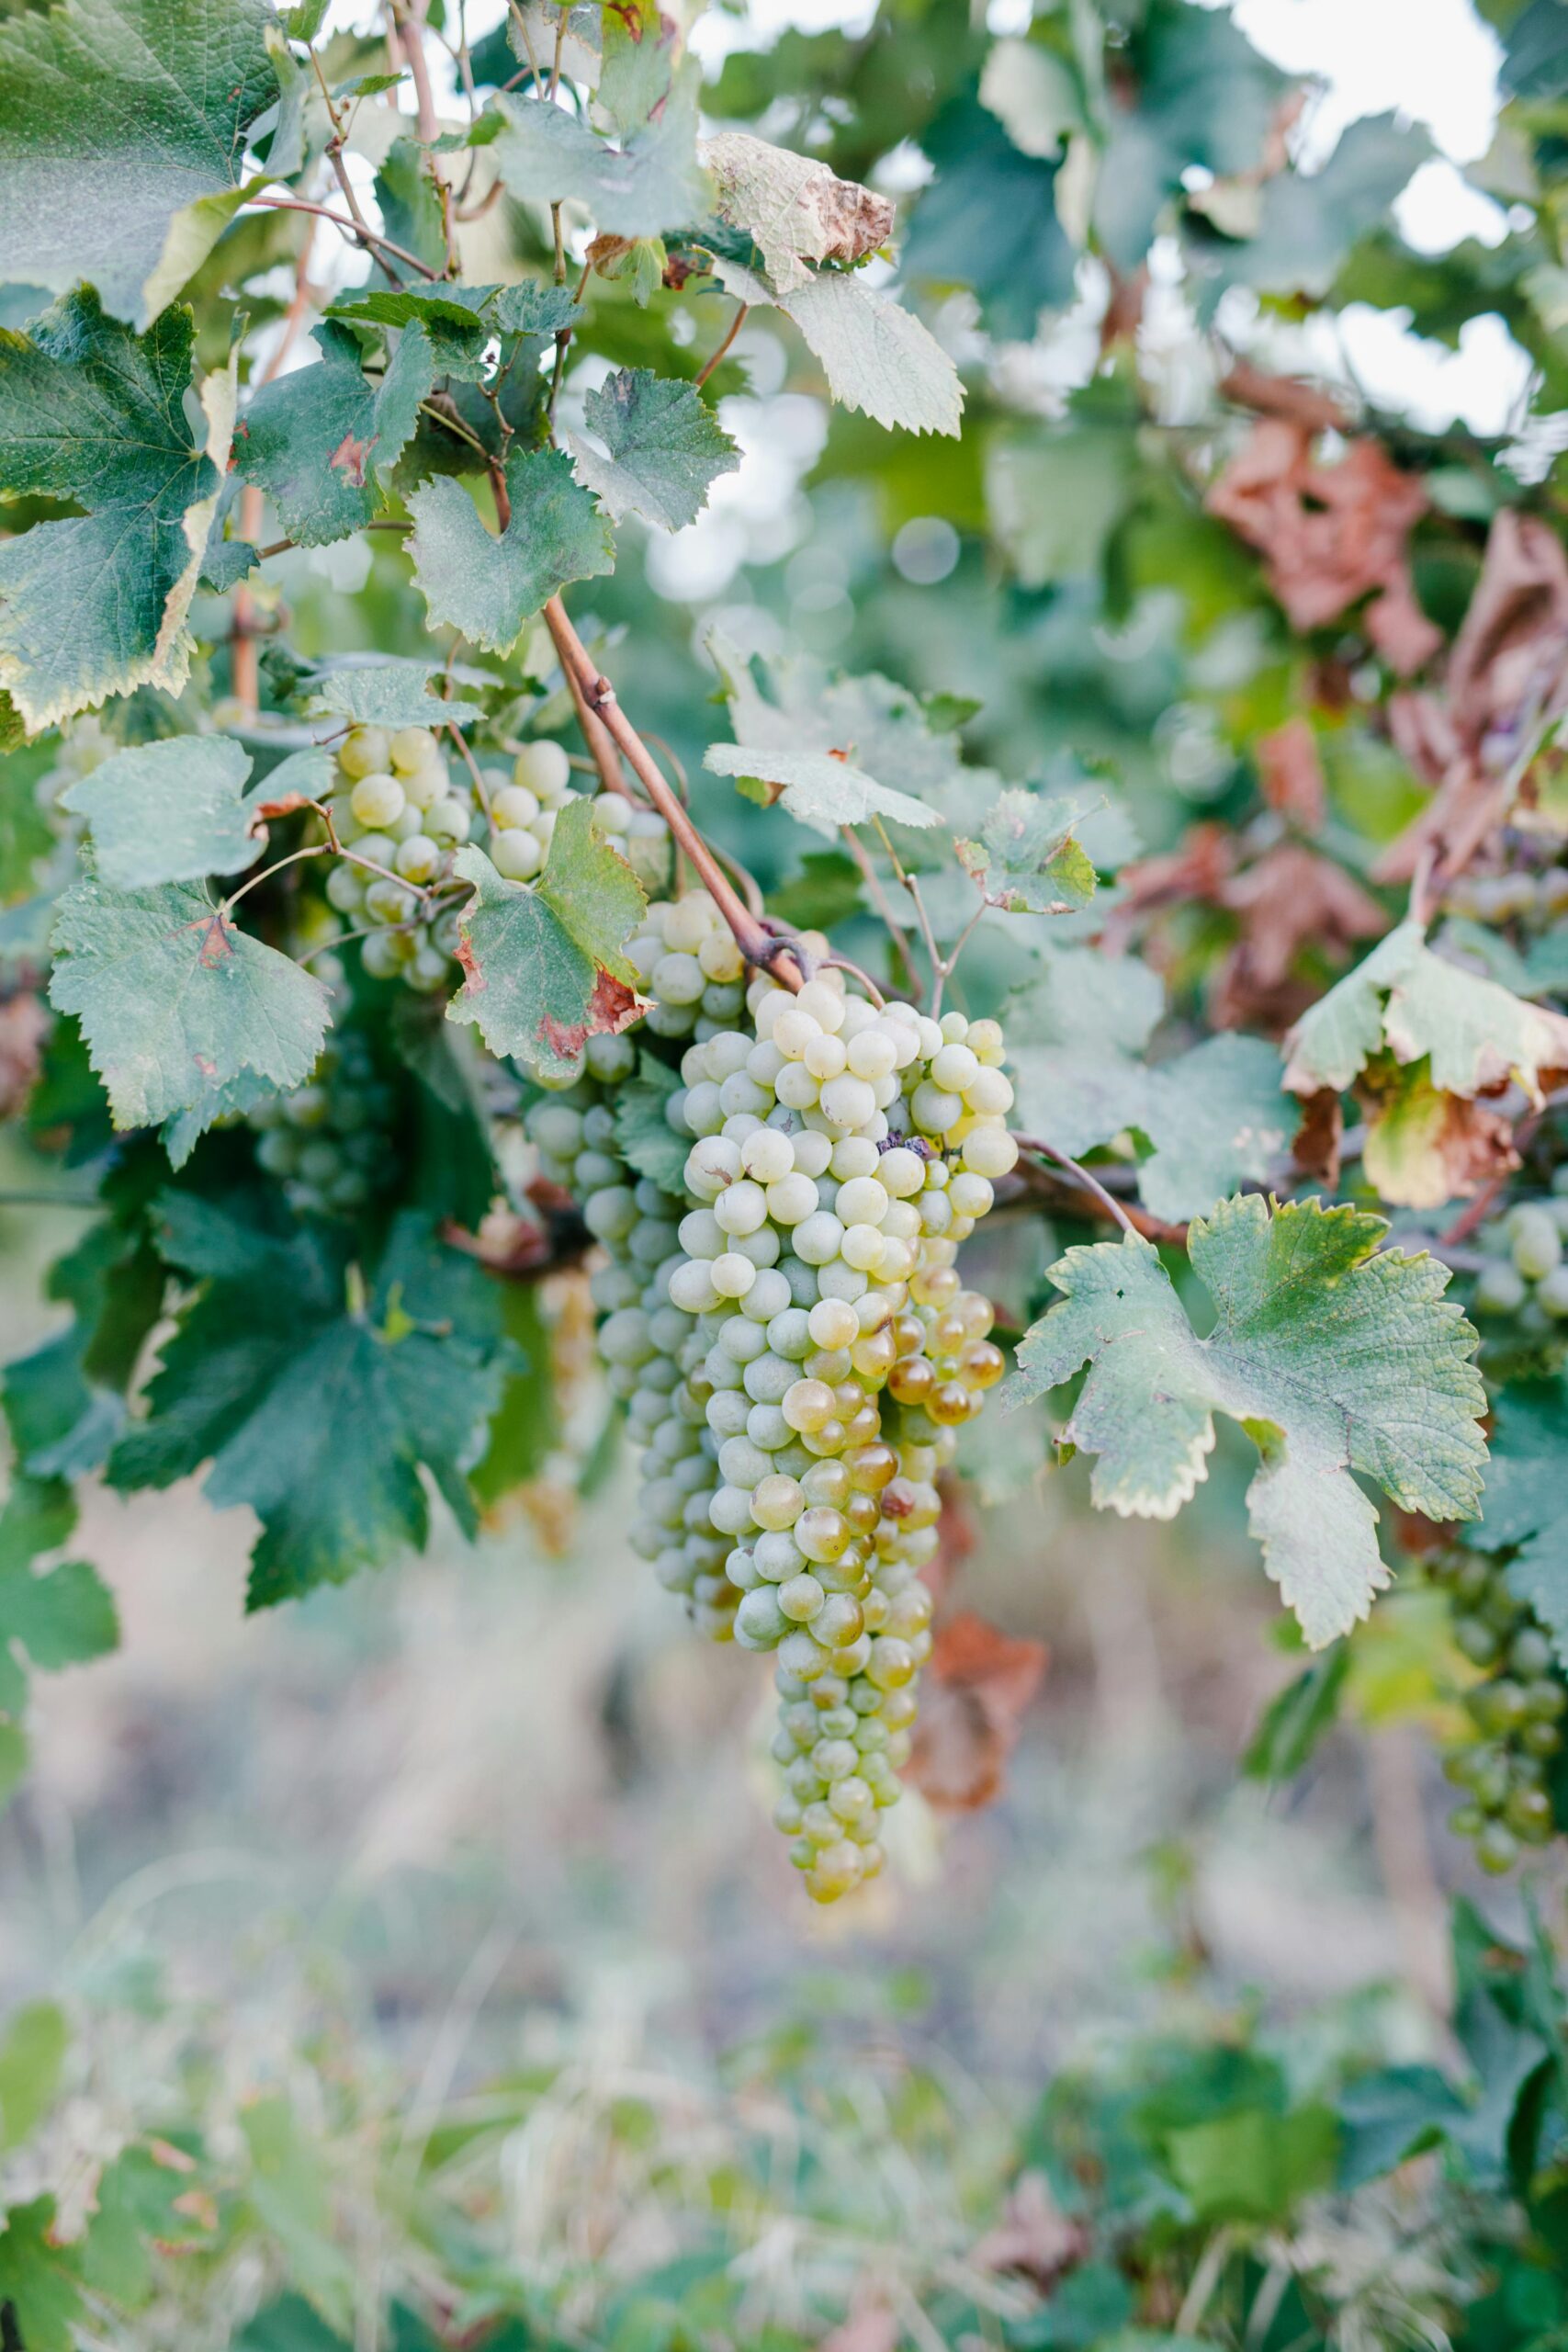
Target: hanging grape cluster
<point>1507,1763</point>
<point>328,1142</point>
<point>790,1336</point>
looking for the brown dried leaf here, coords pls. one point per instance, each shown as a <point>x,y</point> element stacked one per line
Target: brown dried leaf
<point>1510,649</point>
<point>1329,534</point>
<point>1291,899</point>
<point>976,1686</point>
<point>1319,1138</point>
<point>1035,2238</point>
<point>1423,1146</point>
<point>1196,870</point>
<point>1291,773</point>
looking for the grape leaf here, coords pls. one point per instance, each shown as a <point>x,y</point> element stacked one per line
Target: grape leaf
<point>122,138</point>
<point>316,439</point>
<point>97,604</point>
<point>488,586</point>
<point>653,182</point>
<point>458,320</point>
<point>543,961</point>
<point>318,1398</point>
<point>50,1617</point>
<point>175,810</point>
<point>1332,1358</point>
<point>1307,222</point>
<point>1203,96</point>
<point>819,787</point>
<point>390,692</point>
<point>876,356</point>
<point>1026,859</point>
<point>1413,1000</point>
<point>1525,1503</point>
<point>175,1003</point>
<point>38,2283</point>
<point>989,221</point>
<point>65,1400</point>
<point>793,206</point>
<point>1214,1118</point>
<point>26,834</point>
<point>648,1141</point>
<point>881,727</point>
<point>640,47</point>
<point>665,447</point>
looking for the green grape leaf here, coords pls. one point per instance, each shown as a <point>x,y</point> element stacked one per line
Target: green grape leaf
<point>664,445</point>
<point>175,1003</point>
<point>524,1426</point>
<point>1333,1356</point>
<point>32,2059</point>
<point>1253,2165</point>
<point>640,47</point>
<point>316,439</point>
<point>96,604</point>
<point>38,2279</point>
<point>989,221</point>
<point>55,1617</point>
<point>488,586</point>
<point>175,810</point>
<point>136,2212</point>
<point>542,962</point>
<point>651,183</point>
<point>876,356</point>
<point>819,787</point>
<point>122,140</point>
<point>319,1394</point>
<point>1054,498</point>
<point>65,1400</point>
<point>1203,96</point>
<point>1307,223</point>
<point>648,1143</point>
<point>795,209</point>
<point>1297,1718</point>
<point>1525,1503</point>
<point>1407,998</point>
<point>1214,1118</point>
<point>794,702</point>
<point>389,693</point>
<point>1026,859</point>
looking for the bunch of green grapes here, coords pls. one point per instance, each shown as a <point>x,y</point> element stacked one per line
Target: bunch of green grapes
<point>842,1153</point>
<point>1525,1278</point>
<point>330,1140</point>
<point>1506,1768</point>
<point>688,963</point>
<point>398,806</point>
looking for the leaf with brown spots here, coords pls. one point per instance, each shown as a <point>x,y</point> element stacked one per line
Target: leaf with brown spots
<point>543,963</point>
<point>976,1688</point>
<point>176,1004</point>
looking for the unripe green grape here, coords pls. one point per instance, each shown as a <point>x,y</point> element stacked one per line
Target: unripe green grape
<point>516,855</point>
<point>377,801</point>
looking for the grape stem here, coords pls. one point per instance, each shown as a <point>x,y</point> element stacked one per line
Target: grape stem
<point>735,323</point>
<point>352,229</point>
<point>884,906</point>
<point>1108,1200</point>
<point>756,942</point>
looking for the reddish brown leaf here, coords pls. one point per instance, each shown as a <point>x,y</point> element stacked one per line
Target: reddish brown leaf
<point>976,1688</point>
<point>1329,534</point>
<point>1510,649</point>
<point>23,1022</point>
<point>1291,899</point>
<point>1291,774</point>
<point>1316,1148</point>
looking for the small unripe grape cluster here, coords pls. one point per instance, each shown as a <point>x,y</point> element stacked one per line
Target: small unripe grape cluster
<point>1507,1767</point>
<point>329,1141</point>
<point>398,806</point>
<point>842,1153</point>
<point>1526,1276</point>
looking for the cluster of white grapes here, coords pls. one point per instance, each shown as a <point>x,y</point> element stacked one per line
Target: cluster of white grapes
<point>1526,1273</point>
<point>688,963</point>
<point>400,810</point>
<point>328,1140</point>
